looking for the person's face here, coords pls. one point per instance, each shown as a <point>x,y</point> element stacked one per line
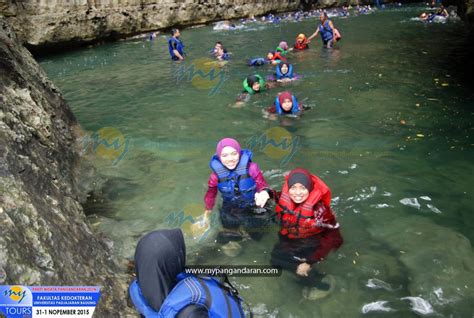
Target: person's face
<point>298,193</point>
<point>229,157</point>
<point>284,69</point>
<point>256,86</point>
<point>177,34</point>
<point>299,40</point>
<point>287,104</point>
<point>322,17</point>
<point>269,55</point>
<point>218,45</point>
<point>219,51</point>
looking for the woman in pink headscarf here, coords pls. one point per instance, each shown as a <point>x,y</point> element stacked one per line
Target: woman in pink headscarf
<point>243,189</point>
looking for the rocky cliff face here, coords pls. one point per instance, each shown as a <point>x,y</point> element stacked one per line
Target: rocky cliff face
<point>48,22</point>
<point>45,239</point>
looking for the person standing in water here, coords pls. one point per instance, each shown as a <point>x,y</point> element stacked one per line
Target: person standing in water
<point>243,189</point>
<point>175,46</point>
<point>327,30</point>
<point>309,230</point>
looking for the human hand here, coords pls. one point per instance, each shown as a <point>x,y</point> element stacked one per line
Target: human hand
<point>303,269</point>
<point>261,198</point>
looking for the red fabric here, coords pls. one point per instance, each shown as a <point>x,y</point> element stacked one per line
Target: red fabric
<point>329,240</point>
<point>301,45</point>
<point>315,209</point>
<point>211,194</point>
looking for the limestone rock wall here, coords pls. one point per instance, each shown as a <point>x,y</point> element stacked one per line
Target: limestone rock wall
<point>45,239</point>
<point>49,22</point>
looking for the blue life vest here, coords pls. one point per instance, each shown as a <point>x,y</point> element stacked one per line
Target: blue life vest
<point>258,61</point>
<point>326,31</point>
<point>207,292</point>
<point>236,186</point>
<point>226,56</point>
<point>294,109</point>
<point>179,47</point>
<point>288,74</point>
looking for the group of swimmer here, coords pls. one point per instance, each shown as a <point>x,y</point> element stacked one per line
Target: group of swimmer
<point>300,211</point>
<point>308,232</point>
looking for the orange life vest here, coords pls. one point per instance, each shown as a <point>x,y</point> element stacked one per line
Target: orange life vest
<point>301,45</point>
<point>308,218</point>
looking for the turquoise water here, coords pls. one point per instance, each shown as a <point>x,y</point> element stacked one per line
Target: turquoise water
<point>391,122</point>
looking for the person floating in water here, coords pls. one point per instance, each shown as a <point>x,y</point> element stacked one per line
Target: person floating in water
<point>164,289</point>
<point>284,73</point>
<point>329,34</point>
<point>243,189</point>
<point>309,230</point>
<point>285,104</point>
<point>221,54</point>
<point>283,48</point>
<point>253,84</point>
<point>301,42</point>
<point>175,46</point>
<point>275,57</point>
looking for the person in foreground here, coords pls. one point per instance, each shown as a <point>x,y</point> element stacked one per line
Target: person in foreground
<point>163,289</point>
<point>309,230</point>
<point>243,189</point>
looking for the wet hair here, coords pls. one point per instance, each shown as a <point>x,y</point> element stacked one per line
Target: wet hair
<point>252,79</point>
<point>174,31</point>
<point>219,42</point>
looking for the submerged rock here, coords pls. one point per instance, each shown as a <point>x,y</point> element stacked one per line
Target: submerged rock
<point>45,238</point>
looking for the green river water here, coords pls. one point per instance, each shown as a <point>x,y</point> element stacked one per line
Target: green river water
<point>391,122</point>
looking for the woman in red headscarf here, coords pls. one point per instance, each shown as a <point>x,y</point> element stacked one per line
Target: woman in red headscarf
<point>309,230</point>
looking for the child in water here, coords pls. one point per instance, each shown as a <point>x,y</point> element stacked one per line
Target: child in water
<point>243,189</point>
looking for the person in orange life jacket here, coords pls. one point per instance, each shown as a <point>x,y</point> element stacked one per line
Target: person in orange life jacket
<point>164,289</point>
<point>309,230</point>
<point>301,42</point>
<point>327,30</point>
<point>243,189</point>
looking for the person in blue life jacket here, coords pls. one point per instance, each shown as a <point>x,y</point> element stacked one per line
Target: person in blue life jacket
<point>164,290</point>
<point>285,105</point>
<point>284,73</point>
<point>327,31</point>
<point>243,189</point>
<point>221,54</point>
<point>175,46</point>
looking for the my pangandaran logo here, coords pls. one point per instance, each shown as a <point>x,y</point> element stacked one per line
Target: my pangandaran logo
<point>203,73</point>
<point>277,143</point>
<point>191,222</point>
<point>108,143</point>
<point>15,293</point>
